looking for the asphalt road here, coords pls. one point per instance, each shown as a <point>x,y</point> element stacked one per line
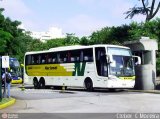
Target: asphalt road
<point>39,102</point>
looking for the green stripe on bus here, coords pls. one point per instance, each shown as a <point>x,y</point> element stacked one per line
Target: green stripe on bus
<point>79,69</point>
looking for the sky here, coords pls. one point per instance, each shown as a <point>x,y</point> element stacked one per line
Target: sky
<point>81,17</point>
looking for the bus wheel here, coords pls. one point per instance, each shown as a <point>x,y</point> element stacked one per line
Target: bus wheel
<point>88,84</point>
<point>42,83</point>
<point>35,83</point>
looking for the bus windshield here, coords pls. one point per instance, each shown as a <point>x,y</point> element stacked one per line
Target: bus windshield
<point>122,64</point>
<point>15,68</point>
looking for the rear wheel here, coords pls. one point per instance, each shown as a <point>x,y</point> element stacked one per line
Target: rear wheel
<point>88,84</point>
<point>42,83</point>
<point>35,83</point>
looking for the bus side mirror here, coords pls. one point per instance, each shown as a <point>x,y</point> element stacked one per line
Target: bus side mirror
<point>22,65</point>
<point>137,60</point>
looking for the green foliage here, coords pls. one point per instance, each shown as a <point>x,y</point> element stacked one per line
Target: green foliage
<point>149,29</point>
<point>55,43</point>
<point>71,39</point>
<point>84,41</point>
<point>5,40</point>
<point>111,35</point>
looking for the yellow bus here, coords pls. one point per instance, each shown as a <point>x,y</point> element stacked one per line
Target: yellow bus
<point>95,66</point>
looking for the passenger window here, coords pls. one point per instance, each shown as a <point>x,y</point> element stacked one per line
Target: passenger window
<point>54,57</point>
<point>47,58</point>
<point>72,59</point>
<point>43,58</point>
<point>34,59</point>
<point>62,57</point>
<point>87,55</point>
<point>28,60</point>
<point>86,58</point>
<point>75,56</point>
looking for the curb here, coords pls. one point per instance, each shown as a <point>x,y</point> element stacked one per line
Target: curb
<point>11,102</point>
<point>145,91</point>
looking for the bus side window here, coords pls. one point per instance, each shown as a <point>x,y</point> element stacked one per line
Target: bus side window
<point>53,57</point>
<point>72,59</point>
<point>81,56</point>
<point>43,61</point>
<point>77,59</point>
<point>68,57</point>
<point>39,59</point>
<point>34,59</point>
<point>88,55</point>
<point>32,62</point>
<point>63,57</point>
<point>49,58</point>
<point>54,60</point>
<point>43,58</point>
<point>28,60</point>
<point>58,57</point>
<point>86,58</point>
<point>75,56</point>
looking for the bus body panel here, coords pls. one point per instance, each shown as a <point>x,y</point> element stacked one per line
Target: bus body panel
<point>74,74</point>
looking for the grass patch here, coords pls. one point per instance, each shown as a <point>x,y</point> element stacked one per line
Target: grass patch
<point>5,100</point>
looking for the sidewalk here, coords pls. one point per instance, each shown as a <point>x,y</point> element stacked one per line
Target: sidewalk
<point>146,91</point>
<point>156,91</point>
<point>7,102</point>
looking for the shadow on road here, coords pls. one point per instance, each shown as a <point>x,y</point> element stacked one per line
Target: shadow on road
<point>99,90</point>
<point>80,89</point>
<point>157,87</point>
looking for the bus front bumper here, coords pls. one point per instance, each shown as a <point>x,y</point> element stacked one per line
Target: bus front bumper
<point>121,84</point>
<point>19,81</point>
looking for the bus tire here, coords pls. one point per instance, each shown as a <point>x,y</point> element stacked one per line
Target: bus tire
<point>35,83</point>
<point>88,84</point>
<point>42,83</point>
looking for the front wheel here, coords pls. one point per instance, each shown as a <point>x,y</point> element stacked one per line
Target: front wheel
<point>35,83</point>
<point>89,85</point>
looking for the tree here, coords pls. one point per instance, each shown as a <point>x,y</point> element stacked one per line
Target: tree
<point>71,39</point>
<point>5,39</point>
<point>13,40</point>
<point>84,41</point>
<point>54,43</point>
<point>147,10</point>
<point>149,29</point>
